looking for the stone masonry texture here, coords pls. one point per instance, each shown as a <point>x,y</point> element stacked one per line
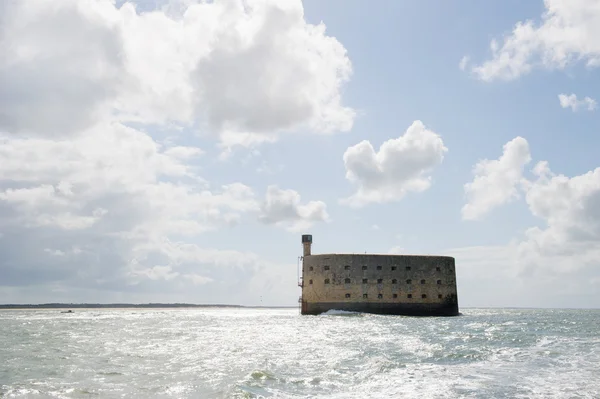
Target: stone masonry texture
<point>386,284</point>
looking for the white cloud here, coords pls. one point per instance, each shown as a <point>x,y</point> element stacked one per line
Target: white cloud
<point>89,203</point>
<point>464,61</point>
<point>284,208</point>
<point>198,279</point>
<point>112,210</point>
<point>401,165</point>
<point>554,264</point>
<point>94,211</point>
<point>570,208</point>
<point>260,75</point>
<point>226,276</point>
<point>60,65</point>
<point>183,152</point>
<point>571,101</point>
<point>246,70</point>
<point>567,34</point>
<point>496,181</point>
<point>156,273</point>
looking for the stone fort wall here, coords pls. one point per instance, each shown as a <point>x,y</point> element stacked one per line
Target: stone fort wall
<point>387,284</point>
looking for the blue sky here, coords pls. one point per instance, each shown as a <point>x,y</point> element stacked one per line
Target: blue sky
<point>166,71</point>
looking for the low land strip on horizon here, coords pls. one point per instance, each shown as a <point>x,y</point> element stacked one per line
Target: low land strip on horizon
<point>125,305</point>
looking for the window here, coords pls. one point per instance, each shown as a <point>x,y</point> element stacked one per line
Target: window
<point>347,295</point>
<point>422,281</point>
<point>393,268</point>
<point>407,267</point>
<point>409,296</point>
<point>365,296</point>
<point>440,296</point>
<point>365,281</point>
<point>326,281</point>
<point>325,267</point>
<point>364,267</point>
<point>423,296</point>
<point>379,296</point>
<point>379,281</point>
<point>394,295</point>
<point>378,267</point>
<point>347,281</point>
<point>309,281</point>
<point>438,269</point>
<point>394,281</point>
<point>409,281</point>
<point>311,268</point>
<point>439,282</point>
<point>347,267</point>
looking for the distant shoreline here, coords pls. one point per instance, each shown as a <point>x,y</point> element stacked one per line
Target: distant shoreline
<point>127,305</point>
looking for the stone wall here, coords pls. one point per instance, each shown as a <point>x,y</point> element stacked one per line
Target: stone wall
<point>398,284</point>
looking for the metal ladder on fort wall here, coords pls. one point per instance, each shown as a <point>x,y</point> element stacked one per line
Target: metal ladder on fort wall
<point>299,268</point>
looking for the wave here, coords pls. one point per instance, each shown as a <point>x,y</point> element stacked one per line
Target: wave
<point>338,312</point>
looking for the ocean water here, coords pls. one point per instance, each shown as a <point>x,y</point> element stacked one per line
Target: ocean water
<point>277,353</point>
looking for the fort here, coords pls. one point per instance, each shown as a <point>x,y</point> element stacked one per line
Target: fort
<point>412,285</point>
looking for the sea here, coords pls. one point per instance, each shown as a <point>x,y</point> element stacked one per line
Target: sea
<point>277,353</point>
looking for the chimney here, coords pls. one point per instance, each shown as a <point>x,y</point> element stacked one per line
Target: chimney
<point>306,243</point>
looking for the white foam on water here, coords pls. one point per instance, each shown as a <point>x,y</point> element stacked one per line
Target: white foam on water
<point>337,312</point>
<point>277,353</point>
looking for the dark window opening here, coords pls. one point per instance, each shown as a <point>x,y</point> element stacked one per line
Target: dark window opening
<point>347,295</point>
<point>393,268</point>
<point>365,296</point>
<point>309,281</point>
<point>409,296</point>
<point>395,296</point>
<point>379,296</point>
<point>311,268</point>
<point>326,281</point>
<point>347,281</point>
<point>346,267</point>
<point>440,296</point>
<point>379,281</point>
<point>378,267</point>
<point>422,281</point>
<point>439,282</point>
<point>424,296</point>
<point>365,281</point>
<point>364,268</point>
<point>407,267</point>
<point>325,267</point>
<point>409,281</point>
<point>394,281</point>
<point>437,269</point>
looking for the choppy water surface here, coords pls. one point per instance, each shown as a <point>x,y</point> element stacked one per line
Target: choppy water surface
<point>253,353</point>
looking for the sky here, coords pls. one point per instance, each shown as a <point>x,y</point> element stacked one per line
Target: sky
<point>176,150</point>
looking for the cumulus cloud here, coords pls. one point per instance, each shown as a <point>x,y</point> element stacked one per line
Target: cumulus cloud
<point>567,34</point>
<point>401,165</point>
<point>104,192</point>
<point>496,182</point>
<point>92,205</point>
<point>60,65</point>
<point>553,264</point>
<point>113,210</point>
<point>259,74</point>
<point>571,101</point>
<point>284,208</point>
<point>246,70</point>
<point>570,209</point>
